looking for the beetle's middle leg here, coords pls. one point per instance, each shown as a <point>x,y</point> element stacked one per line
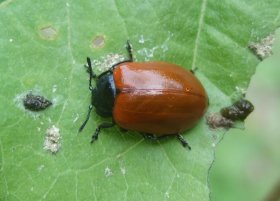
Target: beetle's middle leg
<point>98,129</point>
<point>179,137</point>
<point>183,141</point>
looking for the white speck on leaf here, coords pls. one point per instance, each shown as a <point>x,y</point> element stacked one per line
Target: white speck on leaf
<point>106,62</point>
<point>76,118</point>
<point>263,49</point>
<point>166,194</point>
<point>108,172</point>
<point>147,53</point>
<point>49,120</point>
<point>240,90</point>
<point>54,88</point>
<point>164,47</point>
<point>41,167</point>
<point>52,140</point>
<point>11,40</point>
<point>123,170</point>
<point>141,39</point>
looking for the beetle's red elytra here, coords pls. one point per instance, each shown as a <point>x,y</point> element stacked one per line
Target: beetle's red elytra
<point>157,99</point>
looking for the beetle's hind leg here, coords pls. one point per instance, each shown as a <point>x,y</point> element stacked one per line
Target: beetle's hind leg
<point>123,130</point>
<point>98,129</point>
<point>183,141</point>
<point>179,137</point>
<point>150,136</point>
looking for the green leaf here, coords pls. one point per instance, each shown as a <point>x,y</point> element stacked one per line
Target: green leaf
<point>251,157</point>
<point>43,48</point>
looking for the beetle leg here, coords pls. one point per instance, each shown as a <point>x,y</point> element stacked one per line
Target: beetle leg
<point>150,136</point>
<point>123,130</point>
<point>88,115</point>
<point>98,129</point>
<point>129,50</point>
<point>183,141</point>
<point>193,70</point>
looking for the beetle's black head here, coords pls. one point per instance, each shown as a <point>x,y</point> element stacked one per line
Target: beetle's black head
<point>103,95</point>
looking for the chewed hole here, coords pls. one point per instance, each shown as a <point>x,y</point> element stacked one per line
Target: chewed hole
<point>98,42</point>
<point>48,33</point>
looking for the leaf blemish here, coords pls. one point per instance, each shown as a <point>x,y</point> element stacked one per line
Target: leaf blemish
<point>107,61</point>
<point>166,194</point>
<point>52,140</point>
<point>76,117</point>
<point>19,101</point>
<point>263,49</point>
<point>41,167</point>
<point>216,120</point>
<point>148,53</point>
<point>108,172</point>
<point>48,32</point>
<point>98,41</point>
<point>141,39</point>
<point>54,88</point>
<point>35,102</point>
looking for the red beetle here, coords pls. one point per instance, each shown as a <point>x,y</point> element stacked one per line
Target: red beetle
<point>157,99</point>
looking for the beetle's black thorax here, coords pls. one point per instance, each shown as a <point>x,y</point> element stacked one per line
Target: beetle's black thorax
<point>103,95</point>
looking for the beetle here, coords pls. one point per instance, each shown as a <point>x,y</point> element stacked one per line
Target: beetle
<point>157,99</point>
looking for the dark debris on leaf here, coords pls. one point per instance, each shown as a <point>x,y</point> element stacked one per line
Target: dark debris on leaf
<point>227,116</point>
<point>35,102</point>
<point>238,110</point>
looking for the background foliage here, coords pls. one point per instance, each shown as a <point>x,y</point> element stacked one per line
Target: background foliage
<point>43,46</point>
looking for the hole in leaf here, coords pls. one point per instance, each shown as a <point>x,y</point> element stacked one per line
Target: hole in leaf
<point>48,33</point>
<point>98,42</point>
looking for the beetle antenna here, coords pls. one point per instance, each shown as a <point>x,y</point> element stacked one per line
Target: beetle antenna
<point>129,50</point>
<point>87,118</point>
<point>92,75</point>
